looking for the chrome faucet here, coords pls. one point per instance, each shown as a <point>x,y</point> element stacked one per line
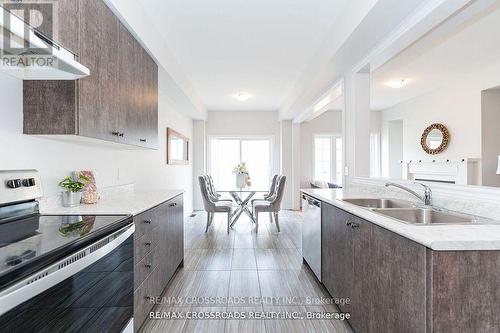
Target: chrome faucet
<point>426,198</point>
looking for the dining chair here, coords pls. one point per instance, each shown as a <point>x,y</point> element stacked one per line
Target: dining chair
<point>212,207</point>
<point>212,186</point>
<point>268,194</point>
<point>214,196</point>
<point>272,206</point>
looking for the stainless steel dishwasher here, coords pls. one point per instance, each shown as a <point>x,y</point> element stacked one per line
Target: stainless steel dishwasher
<point>311,233</point>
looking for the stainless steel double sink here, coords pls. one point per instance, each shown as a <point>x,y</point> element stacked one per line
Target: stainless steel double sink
<point>408,212</point>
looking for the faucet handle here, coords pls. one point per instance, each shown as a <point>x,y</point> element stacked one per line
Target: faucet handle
<point>427,194</point>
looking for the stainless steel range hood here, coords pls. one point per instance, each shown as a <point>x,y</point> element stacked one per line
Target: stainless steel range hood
<point>29,55</point>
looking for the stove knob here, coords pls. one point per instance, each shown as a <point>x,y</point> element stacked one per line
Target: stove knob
<point>14,183</point>
<point>28,182</point>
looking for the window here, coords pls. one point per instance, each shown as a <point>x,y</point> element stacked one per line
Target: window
<point>226,153</point>
<point>322,159</point>
<point>374,155</point>
<point>328,158</point>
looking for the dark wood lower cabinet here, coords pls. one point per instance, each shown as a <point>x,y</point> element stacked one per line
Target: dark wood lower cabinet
<point>396,271</point>
<point>397,285</point>
<point>159,251</point>
<point>336,252</point>
<point>464,291</point>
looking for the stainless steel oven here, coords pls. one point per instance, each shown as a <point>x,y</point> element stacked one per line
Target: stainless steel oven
<point>64,273</point>
<point>89,290</point>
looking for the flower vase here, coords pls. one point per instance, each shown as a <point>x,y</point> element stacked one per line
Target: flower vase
<point>241,180</point>
<point>71,199</point>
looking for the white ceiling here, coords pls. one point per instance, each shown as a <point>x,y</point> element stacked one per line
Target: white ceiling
<point>228,46</point>
<point>465,44</point>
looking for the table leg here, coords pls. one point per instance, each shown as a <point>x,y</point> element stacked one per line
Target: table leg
<point>245,207</point>
<point>242,206</point>
<point>238,201</point>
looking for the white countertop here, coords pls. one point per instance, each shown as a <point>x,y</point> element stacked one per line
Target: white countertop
<point>436,237</point>
<point>128,202</point>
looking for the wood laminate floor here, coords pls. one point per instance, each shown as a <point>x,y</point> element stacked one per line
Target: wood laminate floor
<point>243,272</point>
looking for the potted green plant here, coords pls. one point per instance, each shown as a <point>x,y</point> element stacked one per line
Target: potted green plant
<point>73,186</point>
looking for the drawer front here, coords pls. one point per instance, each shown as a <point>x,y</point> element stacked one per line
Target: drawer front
<point>143,269</point>
<point>145,222</point>
<point>142,302</point>
<point>144,244</point>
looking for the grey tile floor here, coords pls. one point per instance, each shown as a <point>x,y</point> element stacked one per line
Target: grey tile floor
<point>243,266</point>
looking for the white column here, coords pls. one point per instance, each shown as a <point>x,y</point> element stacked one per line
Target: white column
<point>199,147</point>
<point>296,158</point>
<point>286,161</point>
<point>357,125</point>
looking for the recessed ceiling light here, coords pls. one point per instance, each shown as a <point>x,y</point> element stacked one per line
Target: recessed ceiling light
<point>242,96</point>
<point>397,84</point>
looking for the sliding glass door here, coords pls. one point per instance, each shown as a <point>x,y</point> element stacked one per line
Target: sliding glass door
<point>227,152</point>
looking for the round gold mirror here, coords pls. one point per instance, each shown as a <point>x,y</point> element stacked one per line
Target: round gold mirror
<point>435,139</point>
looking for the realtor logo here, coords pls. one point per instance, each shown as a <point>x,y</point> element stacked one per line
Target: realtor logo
<point>25,45</point>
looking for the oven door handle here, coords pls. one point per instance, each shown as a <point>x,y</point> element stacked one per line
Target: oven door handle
<point>50,276</point>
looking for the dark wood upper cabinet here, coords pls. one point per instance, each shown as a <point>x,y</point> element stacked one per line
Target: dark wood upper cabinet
<point>150,102</point>
<point>99,110</point>
<point>117,102</point>
<point>61,22</point>
<point>138,82</point>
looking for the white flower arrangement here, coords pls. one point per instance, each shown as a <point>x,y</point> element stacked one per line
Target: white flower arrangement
<point>240,169</point>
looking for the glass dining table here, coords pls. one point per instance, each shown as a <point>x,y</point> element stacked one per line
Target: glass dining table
<point>242,198</point>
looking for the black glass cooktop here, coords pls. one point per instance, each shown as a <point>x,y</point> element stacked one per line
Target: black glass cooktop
<point>34,241</point>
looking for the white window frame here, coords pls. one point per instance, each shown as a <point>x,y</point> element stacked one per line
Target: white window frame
<point>241,138</point>
<point>333,160</point>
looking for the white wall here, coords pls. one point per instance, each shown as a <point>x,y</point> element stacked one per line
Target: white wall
<point>490,134</point>
<point>56,159</point>
<point>457,106</point>
<point>395,148</point>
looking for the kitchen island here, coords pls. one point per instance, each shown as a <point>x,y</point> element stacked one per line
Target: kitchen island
<point>408,278</point>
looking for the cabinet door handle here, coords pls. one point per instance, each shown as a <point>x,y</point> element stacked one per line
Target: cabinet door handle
<point>115,133</point>
<point>354,225</point>
<point>348,224</point>
<point>172,204</point>
<point>147,221</point>
<point>148,265</point>
<point>143,140</point>
<point>147,244</point>
<point>121,135</point>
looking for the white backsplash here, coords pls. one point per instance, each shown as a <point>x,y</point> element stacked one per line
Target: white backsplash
<point>480,201</point>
